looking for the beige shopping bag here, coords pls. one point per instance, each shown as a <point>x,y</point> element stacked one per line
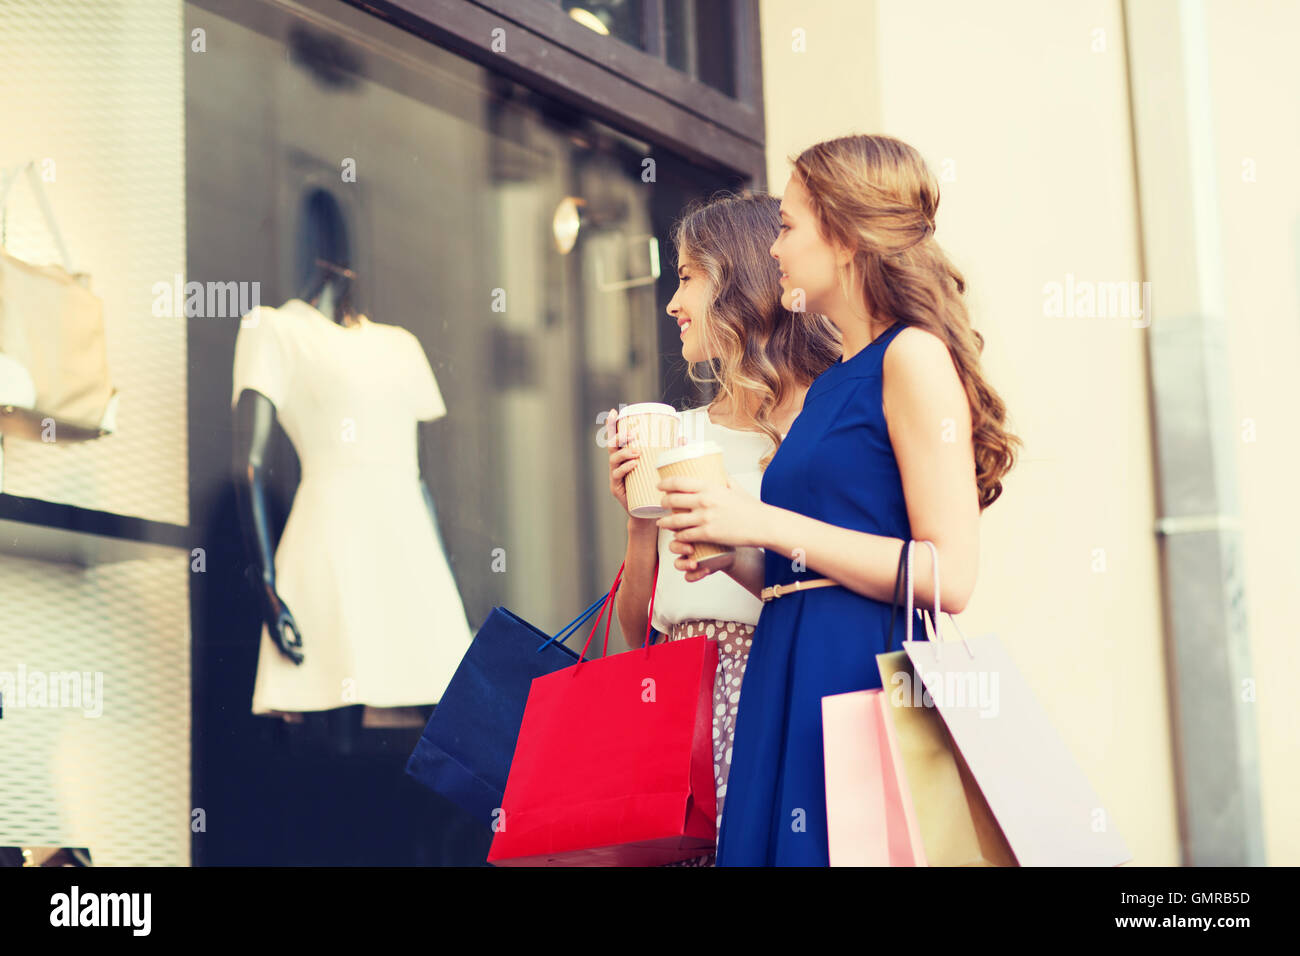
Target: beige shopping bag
<point>1008,750</point>
<point>52,335</point>
<point>1015,769</point>
<point>957,826</point>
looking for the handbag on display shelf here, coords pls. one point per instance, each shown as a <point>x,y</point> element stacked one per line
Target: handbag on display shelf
<point>614,762</point>
<point>1007,752</point>
<point>465,751</point>
<point>53,351</point>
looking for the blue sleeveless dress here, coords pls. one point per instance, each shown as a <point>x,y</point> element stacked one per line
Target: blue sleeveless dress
<point>835,465</point>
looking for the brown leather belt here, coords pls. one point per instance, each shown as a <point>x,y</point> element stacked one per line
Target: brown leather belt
<point>776,590</point>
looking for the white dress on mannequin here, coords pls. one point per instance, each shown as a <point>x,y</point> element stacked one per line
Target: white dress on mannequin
<point>359,564</point>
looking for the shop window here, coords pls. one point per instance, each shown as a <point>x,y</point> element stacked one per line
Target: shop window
<point>697,37</point>
<point>699,40</point>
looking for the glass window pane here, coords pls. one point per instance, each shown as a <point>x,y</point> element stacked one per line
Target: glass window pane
<point>700,40</point>
<point>679,47</point>
<point>517,239</point>
<point>623,19</point>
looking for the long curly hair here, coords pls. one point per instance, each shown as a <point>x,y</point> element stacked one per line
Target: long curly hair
<point>760,351</point>
<point>876,195</point>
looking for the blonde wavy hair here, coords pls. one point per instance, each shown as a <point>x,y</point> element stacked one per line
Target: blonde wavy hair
<point>760,351</point>
<point>876,196</point>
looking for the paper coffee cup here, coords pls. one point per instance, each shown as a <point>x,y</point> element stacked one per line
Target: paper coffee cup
<point>656,428</point>
<point>700,459</point>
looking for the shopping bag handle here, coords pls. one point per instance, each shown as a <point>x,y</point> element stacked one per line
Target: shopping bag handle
<point>42,200</point>
<point>902,586</point>
<point>573,625</point>
<point>898,595</point>
<point>650,614</point>
<point>907,585</point>
<point>911,589</point>
<point>585,616</point>
<point>607,605</point>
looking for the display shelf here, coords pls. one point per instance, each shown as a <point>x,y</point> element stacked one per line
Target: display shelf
<point>50,531</point>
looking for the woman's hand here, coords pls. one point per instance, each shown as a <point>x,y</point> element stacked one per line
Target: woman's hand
<point>720,515</point>
<point>687,561</point>
<point>623,460</point>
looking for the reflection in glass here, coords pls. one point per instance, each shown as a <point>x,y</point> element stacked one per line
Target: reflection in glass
<point>459,175</point>
<point>617,18</point>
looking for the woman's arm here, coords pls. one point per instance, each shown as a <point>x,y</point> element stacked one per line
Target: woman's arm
<point>640,559</point>
<point>928,415</point>
<point>633,598</point>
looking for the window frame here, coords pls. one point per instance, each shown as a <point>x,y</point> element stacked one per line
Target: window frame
<point>605,77</point>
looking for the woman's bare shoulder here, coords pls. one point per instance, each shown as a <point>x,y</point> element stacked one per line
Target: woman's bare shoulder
<point>920,378</point>
<point>917,354</point>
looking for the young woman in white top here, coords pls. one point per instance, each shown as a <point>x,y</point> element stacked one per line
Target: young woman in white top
<point>760,359</point>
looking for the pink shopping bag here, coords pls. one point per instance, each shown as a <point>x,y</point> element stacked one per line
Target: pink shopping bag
<point>870,820</point>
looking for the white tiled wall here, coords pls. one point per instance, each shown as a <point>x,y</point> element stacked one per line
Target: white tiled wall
<point>93,90</point>
<point>110,771</point>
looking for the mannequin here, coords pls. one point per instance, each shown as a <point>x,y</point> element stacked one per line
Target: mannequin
<point>382,624</point>
<point>330,291</point>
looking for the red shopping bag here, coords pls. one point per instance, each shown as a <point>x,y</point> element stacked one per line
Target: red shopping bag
<point>614,762</point>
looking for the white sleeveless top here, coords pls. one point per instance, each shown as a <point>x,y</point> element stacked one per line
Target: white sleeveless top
<point>719,596</point>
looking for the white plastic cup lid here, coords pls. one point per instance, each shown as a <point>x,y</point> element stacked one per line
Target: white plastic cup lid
<point>648,408</point>
<point>695,449</point>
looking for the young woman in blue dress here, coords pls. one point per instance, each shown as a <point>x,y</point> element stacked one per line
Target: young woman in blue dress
<point>758,358</point>
<point>902,439</point>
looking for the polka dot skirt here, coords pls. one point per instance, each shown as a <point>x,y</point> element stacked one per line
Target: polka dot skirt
<point>733,652</point>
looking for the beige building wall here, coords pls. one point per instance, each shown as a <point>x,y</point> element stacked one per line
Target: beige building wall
<point>1021,109</point>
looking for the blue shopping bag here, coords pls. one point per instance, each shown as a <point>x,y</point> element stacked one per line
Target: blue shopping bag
<point>465,751</point>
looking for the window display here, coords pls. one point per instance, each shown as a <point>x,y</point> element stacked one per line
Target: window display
<point>443,274</point>
<point>359,602</point>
